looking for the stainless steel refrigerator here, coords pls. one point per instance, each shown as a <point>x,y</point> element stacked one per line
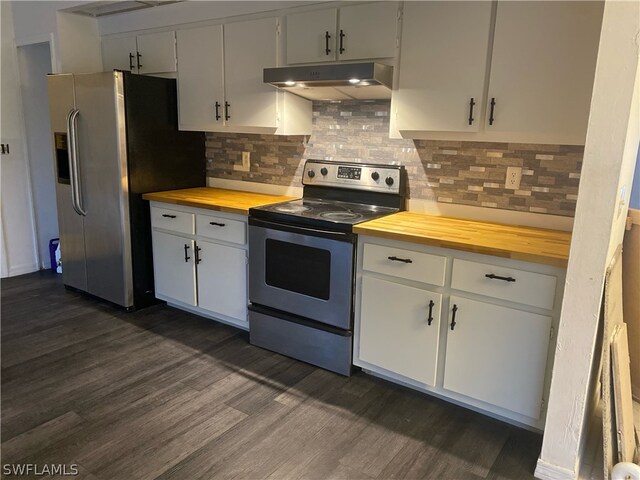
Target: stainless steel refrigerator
<point>115,136</point>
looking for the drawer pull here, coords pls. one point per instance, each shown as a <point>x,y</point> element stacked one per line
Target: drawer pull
<point>216,224</point>
<point>166,215</point>
<point>198,259</point>
<point>403,260</point>
<point>453,316</point>
<point>498,277</point>
<point>186,249</point>
<point>430,319</point>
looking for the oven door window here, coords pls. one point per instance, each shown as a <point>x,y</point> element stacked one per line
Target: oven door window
<point>298,268</point>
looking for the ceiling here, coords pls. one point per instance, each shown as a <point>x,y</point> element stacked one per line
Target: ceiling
<point>104,8</point>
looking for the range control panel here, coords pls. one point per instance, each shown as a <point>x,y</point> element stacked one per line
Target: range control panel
<point>356,176</point>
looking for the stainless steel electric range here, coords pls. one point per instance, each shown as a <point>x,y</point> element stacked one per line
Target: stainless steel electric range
<point>302,260</point>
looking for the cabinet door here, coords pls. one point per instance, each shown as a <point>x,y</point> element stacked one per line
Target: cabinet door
<point>311,36</point>
<point>174,267</point>
<point>542,69</point>
<point>250,47</point>
<point>119,54</point>
<point>222,279</point>
<point>157,52</point>
<point>395,328</point>
<point>442,66</point>
<point>497,355</point>
<point>200,79</point>
<point>367,31</point>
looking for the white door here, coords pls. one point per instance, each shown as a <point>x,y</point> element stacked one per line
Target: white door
<point>399,328</point>
<point>157,52</point>
<point>543,65</point>
<point>442,66</point>
<point>249,48</point>
<point>311,36</point>
<point>497,355</point>
<point>222,279</point>
<point>174,268</point>
<point>200,79</point>
<point>119,54</point>
<point>367,31</point>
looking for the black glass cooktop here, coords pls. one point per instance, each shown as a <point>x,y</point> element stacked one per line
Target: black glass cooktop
<point>321,211</point>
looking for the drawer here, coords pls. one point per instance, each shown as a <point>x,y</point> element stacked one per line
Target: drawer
<point>173,220</point>
<point>528,288</point>
<point>402,263</point>
<point>220,228</point>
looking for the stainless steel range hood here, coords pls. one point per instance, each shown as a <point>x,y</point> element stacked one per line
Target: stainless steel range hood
<point>344,81</point>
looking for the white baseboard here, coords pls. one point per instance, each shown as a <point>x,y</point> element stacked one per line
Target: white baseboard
<point>16,270</point>
<point>547,471</point>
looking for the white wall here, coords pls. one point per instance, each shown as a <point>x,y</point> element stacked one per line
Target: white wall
<point>79,46</point>
<point>18,226</point>
<point>610,154</point>
<point>35,62</point>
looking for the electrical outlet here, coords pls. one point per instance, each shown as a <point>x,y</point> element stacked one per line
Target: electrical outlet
<point>514,175</point>
<point>246,163</point>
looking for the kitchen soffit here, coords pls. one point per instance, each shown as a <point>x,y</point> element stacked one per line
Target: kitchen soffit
<point>100,9</point>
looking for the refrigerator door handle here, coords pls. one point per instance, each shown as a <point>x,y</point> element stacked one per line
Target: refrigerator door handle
<point>72,182</point>
<point>76,192</point>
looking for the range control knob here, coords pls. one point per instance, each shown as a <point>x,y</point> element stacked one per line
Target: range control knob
<point>324,171</point>
<point>389,181</point>
<point>375,176</point>
<point>311,173</point>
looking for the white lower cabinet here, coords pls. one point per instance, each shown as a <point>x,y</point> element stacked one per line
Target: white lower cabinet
<point>202,270</point>
<point>497,355</point>
<point>174,267</point>
<point>401,331</point>
<point>461,328</point>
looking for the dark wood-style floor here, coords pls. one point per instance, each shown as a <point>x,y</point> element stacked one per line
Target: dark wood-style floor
<point>160,393</point>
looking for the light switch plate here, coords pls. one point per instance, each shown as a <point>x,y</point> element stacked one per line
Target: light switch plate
<point>514,175</point>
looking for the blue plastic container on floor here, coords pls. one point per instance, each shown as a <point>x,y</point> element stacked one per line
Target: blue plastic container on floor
<point>53,245</point>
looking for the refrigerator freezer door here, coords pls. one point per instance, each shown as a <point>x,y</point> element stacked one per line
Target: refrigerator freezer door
<point>61,102</point>
<point>101,134</point>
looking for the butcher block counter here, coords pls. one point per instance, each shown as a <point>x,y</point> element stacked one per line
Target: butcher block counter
<point>217,199</point>
<point>529,244</point>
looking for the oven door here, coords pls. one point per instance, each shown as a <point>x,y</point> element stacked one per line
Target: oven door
<point>302,271</point>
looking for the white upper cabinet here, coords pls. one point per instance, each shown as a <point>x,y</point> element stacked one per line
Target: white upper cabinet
<point>311,36</point>
<point>250,47</point>
<point>145,54</point>
<point>443,63</point>
<point>220,81</point>
<point>542,70</point>
<point>355,32</point>
<point>367,31</point>
<point>200,79</point>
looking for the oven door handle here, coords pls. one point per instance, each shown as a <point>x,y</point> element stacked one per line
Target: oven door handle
<point>314,232</point>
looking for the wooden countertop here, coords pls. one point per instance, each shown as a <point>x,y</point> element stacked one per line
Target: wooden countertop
<point>218,199</point>
<point>537,245</point>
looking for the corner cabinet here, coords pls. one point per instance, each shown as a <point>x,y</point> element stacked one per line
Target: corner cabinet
<point>470,328</point>
<point>200,261</point>
<point>353,32</point>
<point>150,53</point>
<point>504,71</point>
<point>220,81</point>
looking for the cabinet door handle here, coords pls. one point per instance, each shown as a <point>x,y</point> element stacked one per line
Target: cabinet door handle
<point>197,252</point>
<point>217,111</point>
<point>186,249</point>
<point>471,104</point>
<point>138,55</point>
<point>166,215</point>
<point>498,277</point>
<point>453,316</point>
<point>342,35</point>
<point>131,67</point>
<point>430,319</point>
<point>216,224</point>
<point>327,37</point>
<point>403,260</point>
<point>226,110</point>
<point>492,112</point>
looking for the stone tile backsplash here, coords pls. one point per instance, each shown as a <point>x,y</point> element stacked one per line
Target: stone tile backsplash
<point>461,172</point>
